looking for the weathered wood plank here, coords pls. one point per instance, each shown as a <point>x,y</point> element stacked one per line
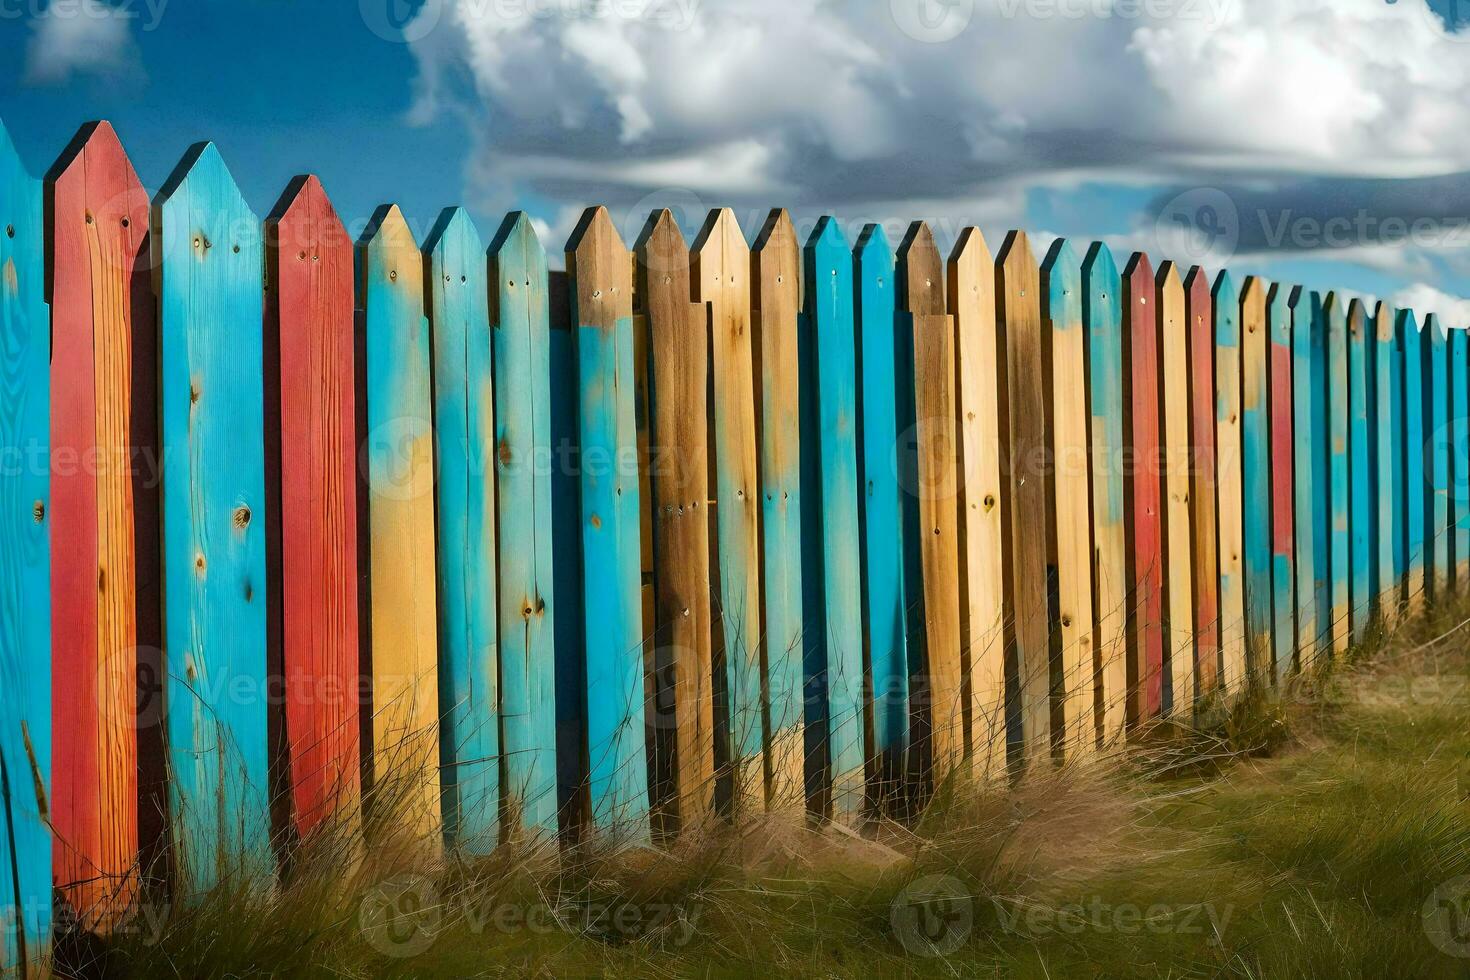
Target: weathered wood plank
<point>1177,458</point>
<point>1432,345</point>
<point>1389,475</point>
<point>1283,488</point>
<point>207,256</point>
<point>720,274</point>
<point>1338,471</point>
<point>103,516</point>
<point>1459,451</point>
<point>1061,285</point>
<point>678,438</point>
<point>1309,460</point>
<point>884,546</point>
<point>601,296</point>
<point>1200,312</point>
<point>983,532</point>
<point>830,501</point>
<point>312,483</point>
<point>25,596</point>
<point>1144,488</point>
<point>1407,328</point>
<point>456,302</point>
<point>776,298</point>
<point>1361,504</point>
<point>927,435</point>
<point>1255,437</point>
<point>1229,484</point>
<point>1102,318</point>
<point>1023,434</point>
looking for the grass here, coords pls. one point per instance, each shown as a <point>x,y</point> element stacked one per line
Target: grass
<point>1298,835</point>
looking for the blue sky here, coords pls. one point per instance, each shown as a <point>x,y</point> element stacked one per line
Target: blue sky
<point>1325,142</point>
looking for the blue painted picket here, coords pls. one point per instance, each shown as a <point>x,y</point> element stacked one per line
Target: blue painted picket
<point>830,500</point>
<point>464,442</point>
<point>1338,474</point>
<point>1388,476</point>
<point>1305,399</point>
<point>1459,449</point>
<point>1414,494</point>
<point>1360,472</point>
<point>1230,482</point>
<point>1437,445</point>
<point>209,258</point>
<point>1321,455</point>
<point>527,612</point>
<point>601,297</point>
<point>885,637</point>
<point>25,571</point>
<point>1255,438</point>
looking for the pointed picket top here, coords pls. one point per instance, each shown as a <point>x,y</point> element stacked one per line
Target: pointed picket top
<point>827,239</point>
<point>1016,262</point>
<point>663,256</point>
<point>1334,308</point>
<point>1357,317</point>
<point>1168,281</point>
<point>95,139</point>
<point>1061,277</point>
<point>202,165</point>
<point>1254,291</point>
<point>303,225</point>
<point>872,248</point>
<point>388,230</point>
<point>1384,320</point>
<point>719,259</point>
<point>1433,329</point>
<point>776,248</point>
<point>1197,288</point>
<point>199,201</point>
<point>1227,310</point>
<point>598,262</point>
<point>1138,274</point>
<point>1100,283</point>
<point>921,285</point>
<point>517,235</point>
<point>455,242</point>
<point>1407,322</point>
<point>1280,301</point>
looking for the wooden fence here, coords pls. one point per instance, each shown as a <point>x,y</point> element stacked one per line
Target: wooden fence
<point>294,529</point>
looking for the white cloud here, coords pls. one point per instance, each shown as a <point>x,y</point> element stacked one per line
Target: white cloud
<point>1423,299</point>
<point>80,37</point>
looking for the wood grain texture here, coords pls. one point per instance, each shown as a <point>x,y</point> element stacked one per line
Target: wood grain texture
<point>979,362</point>
<point>1018,318</point>
<point>1409,338</point>
<point>1255,440</point>
<point>1459,451</point>
<point>456,300</point>
<point>1283,492</point>
<point>720,278</point>
<point>1338,472</point>
<point>601,297</point>
<point>1229,484</point>
<point>885,639</point>
<point>519,333</point>
<point>928,434</point>
<point>1432,346</point>
<point>103,516</point>
<point>1309,459</point>
<point>776,297</point>
<point>207,256</point>
<point>1061,286</point>
<point>1200,313</point>
<point>829,453</point>
<point>1144,488</point>
<point>312,370</point>
<point>678,438</point>
<point>1177,458</point>
<point>403,772</point>
<point>1362,509</point>
<point>1102,318</point>
<point>1389,473</point>
<point>25,597</point>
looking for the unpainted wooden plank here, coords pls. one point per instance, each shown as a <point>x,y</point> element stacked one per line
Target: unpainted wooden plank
<point>1028,612</point>
<point>679,456</point>
<point>1338,472</point>
<point>1283,491</point>
<point>1204,499</point>
<point>601,297</point>
<point>1061,285</point>
<point>1144,486</point>
<point>1229,484</point>
<point>208,261</point>
<point>979,363</point>
<point>1177,458</point>
<point>1102,319</point>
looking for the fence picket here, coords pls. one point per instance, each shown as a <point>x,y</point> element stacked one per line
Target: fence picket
<point>1255,436</point>
<point>1459,454</point>
<point>311,431</point>
<point>207,256</point>
<point>1066,367</point>
<point>1200,312</point>
<point>1283,491</point>
<point>830,513</point>
<point>1229,484</point>
<point>1102,319</point>
<point>1415,543</point>
<point>1310,460</point>
<point>25,594</point>
<point>601,297</point>
<point>1178,556</point>
<point>1144,486</point>
<point>1432,344</point>
<point>1389,476</point>
<point>103,519</point>
<point>1339,472</point>
<point>927,437</point>
<point>1361,468</point>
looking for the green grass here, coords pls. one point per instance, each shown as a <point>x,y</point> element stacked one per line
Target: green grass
<point>1298,835</point>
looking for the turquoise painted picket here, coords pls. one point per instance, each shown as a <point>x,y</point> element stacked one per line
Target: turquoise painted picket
<point>1255,437</point>
<point>25,571</point>
<point>1321,452</point>
<point>520,327</point>
<point>1338,433</point>
<point>1360,472</point>
<point>1388,475</point>
<point>1436,444</point>
<point>208,256</point>
<point>884,631</point>
<point>1414,482</point>
<point>1306,401</point>
<point>830,500</point>
<point>1459,449</point>
<point>464,442</point>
